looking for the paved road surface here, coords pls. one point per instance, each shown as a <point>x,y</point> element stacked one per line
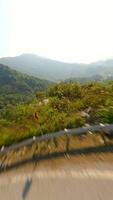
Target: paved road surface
<point>69,182</point>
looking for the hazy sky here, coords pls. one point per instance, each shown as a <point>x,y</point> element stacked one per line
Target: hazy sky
<point>66,30</point>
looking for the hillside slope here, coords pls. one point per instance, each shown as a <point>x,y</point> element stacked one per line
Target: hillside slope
<point>16,87</point>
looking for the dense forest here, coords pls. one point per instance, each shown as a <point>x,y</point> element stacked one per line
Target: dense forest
<point>64,105</point>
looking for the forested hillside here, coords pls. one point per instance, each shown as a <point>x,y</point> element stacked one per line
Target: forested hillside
<point>16,87</point>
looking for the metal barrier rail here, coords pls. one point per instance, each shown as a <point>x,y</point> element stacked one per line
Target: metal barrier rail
<point>77,131</point>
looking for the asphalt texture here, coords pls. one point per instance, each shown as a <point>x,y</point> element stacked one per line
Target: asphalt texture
<point>81,178</point>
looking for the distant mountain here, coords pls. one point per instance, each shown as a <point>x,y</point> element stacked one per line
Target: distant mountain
<point>54,70</point>
<point>42,67</point>
<point>16,87</point>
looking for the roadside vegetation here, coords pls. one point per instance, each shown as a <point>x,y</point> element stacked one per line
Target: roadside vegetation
<point>64,105</point>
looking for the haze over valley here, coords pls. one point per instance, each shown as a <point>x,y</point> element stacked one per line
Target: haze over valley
<point>48,69</point>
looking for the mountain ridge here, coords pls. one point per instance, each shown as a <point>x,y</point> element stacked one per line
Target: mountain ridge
<point>53,70</point>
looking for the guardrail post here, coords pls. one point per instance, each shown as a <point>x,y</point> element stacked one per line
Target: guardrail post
<point>67,143</point>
